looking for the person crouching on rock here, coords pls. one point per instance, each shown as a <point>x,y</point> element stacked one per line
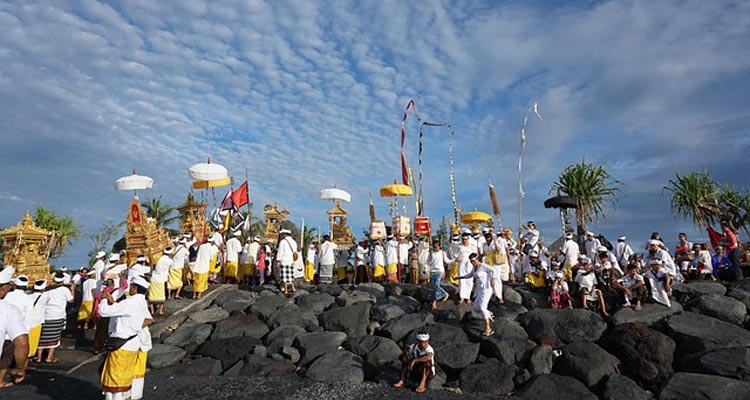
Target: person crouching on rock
<point>418,363</point>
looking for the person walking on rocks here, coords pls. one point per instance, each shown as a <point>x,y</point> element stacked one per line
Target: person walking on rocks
<point>378,261</point>
<point>206,253</point>
<point>86,310</point>
<point>127,318</point>
<point>248,259</point>
<point>233,250</point>
<point>327,260</point>
<point>437,261</point>
<point>484,281</point>
<point>175,281</point>
<point>465,286</point>
<point>417,362</point>
<point>286,256</point>
<point>157,291</point>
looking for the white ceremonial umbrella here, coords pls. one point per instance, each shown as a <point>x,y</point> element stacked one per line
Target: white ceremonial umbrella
<point>335,194</point>
<point>134,182</point>
<point>207,171</point>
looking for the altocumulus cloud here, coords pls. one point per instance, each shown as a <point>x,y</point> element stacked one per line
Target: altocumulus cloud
<point>308,94</point>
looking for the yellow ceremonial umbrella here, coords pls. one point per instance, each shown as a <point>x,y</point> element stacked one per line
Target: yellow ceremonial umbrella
<point>213,183</point>
<point>395,189</point>
<point>475,217</point>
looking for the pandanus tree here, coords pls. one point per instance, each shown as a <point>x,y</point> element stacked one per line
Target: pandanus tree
<point>594,189</point>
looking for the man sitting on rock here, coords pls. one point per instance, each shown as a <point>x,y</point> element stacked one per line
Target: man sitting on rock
<point>586,280</point>
<point>418,362</point>
<point>632,286</point>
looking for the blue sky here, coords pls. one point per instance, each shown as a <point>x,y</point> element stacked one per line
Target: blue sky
<point>310,94</point>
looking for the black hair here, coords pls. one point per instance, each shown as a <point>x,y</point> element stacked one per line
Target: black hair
<point>140,289</point>
<point>632,267</point>
<point>655,235</point>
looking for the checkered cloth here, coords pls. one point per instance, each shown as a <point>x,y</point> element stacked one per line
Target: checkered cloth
<point>287,273</point>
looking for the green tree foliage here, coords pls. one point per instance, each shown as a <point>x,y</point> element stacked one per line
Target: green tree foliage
<point>162,213</point>
<point>66,230</point>
<point>101,240</point>
<point>593,188</point>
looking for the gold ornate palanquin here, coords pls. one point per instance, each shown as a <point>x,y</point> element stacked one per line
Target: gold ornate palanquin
<point>274,217</point>
<point>340,232</point>
<point>193,218</point>
<point>142,236</point>
<point>25,246</point>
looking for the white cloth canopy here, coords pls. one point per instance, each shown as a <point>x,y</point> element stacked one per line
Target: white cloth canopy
<point>335,194</point>
<point>134,182</point>
<point>207,171</point>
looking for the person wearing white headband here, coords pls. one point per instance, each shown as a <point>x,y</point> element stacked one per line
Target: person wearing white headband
<point>175,281</point>
<point>86,310</point>
<point>591,244</point>
<point>287,253</point>
<point>157,293</point>
<point>12,327</point>
<point>570,250</point>
<point>127,320</point>
<point>623,252</point>
<point>484,282</point>
<point>660,281</point>
<point>39,300</point>
<point>99,264</point>
<point>54,318</point>
<point>248,259</point>
<point>207,253</point>
<point>559,292</point>
<point>233,250</point>
<point>418,363</point>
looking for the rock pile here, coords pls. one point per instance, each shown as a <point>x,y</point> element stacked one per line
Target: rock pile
<point>698,348</point>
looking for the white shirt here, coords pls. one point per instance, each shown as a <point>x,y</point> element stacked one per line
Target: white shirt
<point>88,286</point>
<point>437,261</point>
<point>312,255</point>
<point>423,252</point>
<point>218,239</point>
<point>586,281</point>
<point>532,237</point>
<point>628,282</point>
<point>360,255</point>
<point>234,248</point>
<point>533,269</point>
<point>391,252</point>
<point>37,314</point>
<point>416,352</point>
<point>327,256</point>
<point>160,273</point>
<point>623,252</point>
<point>58,299</point>
<point>137,269</point>
<point>570,250</point>
<point>666,259</point>
<point>403,252</point>
<point>24,302</point>
<point>591,246</point>
<point>11,322</point>
<point>378,256</point>
<point>126,318</point>
<point>287,247</point>
<point>206,252</point>
<point>99,268</point>
<point>180,257</point>
<point>249,253</point>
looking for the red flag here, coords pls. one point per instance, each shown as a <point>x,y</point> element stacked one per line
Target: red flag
<point>239,197</point>
<point>715,237</point>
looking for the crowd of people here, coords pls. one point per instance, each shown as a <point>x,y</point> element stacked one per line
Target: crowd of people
<point>120,300</point>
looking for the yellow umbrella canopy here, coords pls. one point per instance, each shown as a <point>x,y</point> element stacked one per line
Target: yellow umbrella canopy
<point>213,183</point>
<point>395,189</point>
<point>475,217</point>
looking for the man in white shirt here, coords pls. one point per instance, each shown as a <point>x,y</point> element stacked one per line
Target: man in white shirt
<point>570,251</point>
<point>233,250</point>
<point>176,271</point>
<point>157,294</point>
<point>403,255</point>
<point>13,333</point>
<point>531,235</point>
<point>327,260</point>
<point>591,244</point>
<point>656,252</point>
<point>586,280</point>
<point>437,260</point>
<point>361,255</point>
<point>287,254</point>
<point>127,319</point>
<point>623,252</point>
<point>660,281</point>
<point>632,286</point>
<point>418,361</point>
<point>206,253</point>
<point>99,264</point>
<point>248,259</point>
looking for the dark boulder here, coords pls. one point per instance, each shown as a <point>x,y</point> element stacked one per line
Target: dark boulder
<point>352,320</point>
<point>541,360</point>
<point>620,387</point>
<point>164,355</point>
<point>586,362</point>
<point>496,379</point>
<point>383,313</point>
<point>291,314</point>
<point>333,290</point>
<point>398,328</point>
<point>565,326</point>
<point>649,315</point>
<point>313,345</point>
<point>373,288</point>
<point>454,357</point>
<point>690,386</point>
<point>684,292</point>
<point>733,362</point>
<point>265,306</point>
<point>316,302</point>
<point>558,387</point>
<point>282,336</point>
<point>209,315</point>
<point>508,310</point>
<point>203,366</point>
<point>354,297</point>
<point>646,354</point>
<point>229,350</point>
<point>374,350</point>
<point>742,295</point>
<point>261,366</point>
<point>695,333</point>
<point>189,336</point>
<point>337,366</point>
<point>240,325</point>
<point>235,300</point>
<point>724,308</point>
<point>407,303</point>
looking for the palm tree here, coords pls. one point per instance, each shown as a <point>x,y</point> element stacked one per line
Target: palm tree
<point>161,213</point>
<point>592,187</point>
<point>694,196</point>
<point>66,230</point>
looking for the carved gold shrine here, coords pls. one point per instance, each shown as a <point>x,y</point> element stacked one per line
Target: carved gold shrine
<point>193,218</point>
<point>274,217</point>
<point>142,236</point>
<point>25,248</point>
<point>340,232</point>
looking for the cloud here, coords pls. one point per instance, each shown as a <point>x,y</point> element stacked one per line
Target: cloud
<point>306,95</point>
